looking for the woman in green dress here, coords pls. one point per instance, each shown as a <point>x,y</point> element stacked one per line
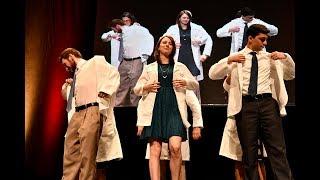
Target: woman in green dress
<point>162,109</point>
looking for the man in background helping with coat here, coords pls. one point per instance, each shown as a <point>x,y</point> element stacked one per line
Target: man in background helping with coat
<point>136,45</point>
<point>236,29</point>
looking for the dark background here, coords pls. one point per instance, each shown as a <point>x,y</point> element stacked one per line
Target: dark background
<point>58,24</point>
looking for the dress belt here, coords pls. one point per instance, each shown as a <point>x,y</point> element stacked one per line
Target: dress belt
<point>82,107</point>
<point>257,97</point>
<point>131,59</point>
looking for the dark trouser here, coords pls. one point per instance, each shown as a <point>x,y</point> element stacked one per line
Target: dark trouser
<point>130,72</point>
<point>262,116</point>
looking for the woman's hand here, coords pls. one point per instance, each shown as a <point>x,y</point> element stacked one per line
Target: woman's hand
<point>153,87</point>
<point>179,83</point>
<point>139,131</point>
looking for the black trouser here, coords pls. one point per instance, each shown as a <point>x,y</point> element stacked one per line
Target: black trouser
<point>261,117</point>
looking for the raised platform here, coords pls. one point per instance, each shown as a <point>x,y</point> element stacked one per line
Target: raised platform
<point>205,161</point>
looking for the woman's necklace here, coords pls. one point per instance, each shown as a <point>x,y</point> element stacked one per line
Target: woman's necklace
<point>164,72</point>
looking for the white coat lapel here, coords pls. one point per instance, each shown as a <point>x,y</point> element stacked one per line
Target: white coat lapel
<point>153,72</point>
<point>177,74</point>
<point>239,69</point>
<point>281,90</point>
<point>176,34</point>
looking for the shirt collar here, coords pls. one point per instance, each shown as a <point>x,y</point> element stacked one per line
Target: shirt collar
<point>81,63</point>
<point>247,50</point>
<point>251,22</point>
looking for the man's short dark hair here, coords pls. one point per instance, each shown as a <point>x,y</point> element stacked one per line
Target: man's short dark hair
<point>247,12</point>
<point>256,29</point>
<point>115,22</point>
<point>130,16</point>
<point>65,53</point>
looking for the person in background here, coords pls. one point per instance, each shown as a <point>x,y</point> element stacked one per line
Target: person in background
<point>189,37</point>
<point>257,99</point>
<point>136,45</point>
<point>237,27</point>
<point>162,110</point>
<point>114,36</point>
<point>129,19</point>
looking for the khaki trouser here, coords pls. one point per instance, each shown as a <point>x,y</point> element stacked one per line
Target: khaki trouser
<point>81,145</point>
<point>130,72</point>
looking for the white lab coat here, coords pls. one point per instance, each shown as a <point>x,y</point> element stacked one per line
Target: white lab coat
<point>236,37</point>
<point>197,33</point>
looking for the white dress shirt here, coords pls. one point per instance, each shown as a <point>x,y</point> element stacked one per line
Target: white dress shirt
<point>263,72</point>
<point>115,44</point>
<point>86,84</point>
<point>237,37</point>
<point>137,41</point>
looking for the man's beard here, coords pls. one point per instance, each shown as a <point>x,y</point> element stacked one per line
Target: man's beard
<point>71,72</point>
<point>72,69</point>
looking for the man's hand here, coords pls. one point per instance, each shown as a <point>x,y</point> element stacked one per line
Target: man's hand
<point>69,81</point>
<point>116,36</point>
<point>239,58</point>
<point>234,29</point>
<point>203,58</point>
<point>278,55</point>
<point>103,95</point>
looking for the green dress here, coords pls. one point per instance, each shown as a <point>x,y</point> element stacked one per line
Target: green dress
<point>166,118</point>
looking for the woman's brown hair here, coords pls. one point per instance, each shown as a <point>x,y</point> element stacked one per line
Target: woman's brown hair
<point>156,53</point>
